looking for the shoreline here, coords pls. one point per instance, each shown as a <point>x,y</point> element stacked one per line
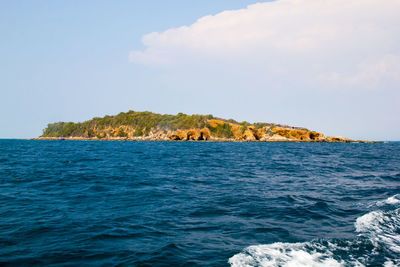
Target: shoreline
<point>210,140</point>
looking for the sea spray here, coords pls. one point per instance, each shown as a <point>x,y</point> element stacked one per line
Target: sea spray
<point>377,243</point>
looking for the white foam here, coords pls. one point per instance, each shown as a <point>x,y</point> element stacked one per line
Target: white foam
<point>380,227</point>
<point>393,200</point>
<point>287,255</point>
<point>369,221</point>
<point>390,263</point>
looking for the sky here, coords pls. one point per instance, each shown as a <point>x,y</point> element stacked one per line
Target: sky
<point>331,66</point>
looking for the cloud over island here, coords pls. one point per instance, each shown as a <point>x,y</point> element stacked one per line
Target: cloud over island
<point>287,47</point>
<point>338,41</point>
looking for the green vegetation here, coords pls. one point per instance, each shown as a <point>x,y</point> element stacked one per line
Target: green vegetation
<point>122,133</point>
<point>221,130</point>
<point>244,125</point>
<point>134,123</point>
<point>259,125</point>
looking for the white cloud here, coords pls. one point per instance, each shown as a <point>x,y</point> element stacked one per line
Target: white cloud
<point>369,75</point>
<point>315,56</point>
<point>317,38</point>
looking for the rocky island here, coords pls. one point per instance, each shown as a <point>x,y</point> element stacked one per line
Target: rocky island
<point>150,126</point>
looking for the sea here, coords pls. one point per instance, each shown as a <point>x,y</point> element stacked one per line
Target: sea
<point>127,203</point>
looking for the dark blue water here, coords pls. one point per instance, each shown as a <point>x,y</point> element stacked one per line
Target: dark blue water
<point>104,203</point>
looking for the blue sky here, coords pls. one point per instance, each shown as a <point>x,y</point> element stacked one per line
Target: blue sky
<point>284,61</point>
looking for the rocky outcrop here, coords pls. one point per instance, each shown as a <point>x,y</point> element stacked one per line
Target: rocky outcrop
<point>239,133</point>
<point>298,134</point>
<point>337,139</point>
<point>250,134</point>
<point>190,135</point>
<point>275,138</point>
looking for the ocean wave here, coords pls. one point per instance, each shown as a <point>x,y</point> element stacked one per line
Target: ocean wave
<point>382,227</point>
<point>377,243</point>
<point>286,254</point>
<point>393,200</point>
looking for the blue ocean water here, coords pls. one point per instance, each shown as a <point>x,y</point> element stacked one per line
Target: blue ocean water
<point>73,203</point>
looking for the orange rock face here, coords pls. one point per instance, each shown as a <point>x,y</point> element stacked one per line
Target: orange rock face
<point>298,134</point>
<point>248,135</point>
<point>190,135</point>
<point>315,136</point>
<point>205,134</point>
<point>338,139</point>
<point>214,123</point>
<point>239,133</point>
<point>251,134</point>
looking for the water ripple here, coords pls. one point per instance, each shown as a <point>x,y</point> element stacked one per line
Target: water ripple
<point>197,204</point>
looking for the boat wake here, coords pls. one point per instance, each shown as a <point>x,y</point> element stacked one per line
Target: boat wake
<point>377,244</point>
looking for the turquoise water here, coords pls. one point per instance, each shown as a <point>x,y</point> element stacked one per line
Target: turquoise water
<point>70,203</point>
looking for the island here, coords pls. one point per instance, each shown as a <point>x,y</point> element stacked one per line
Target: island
<point>138,126</point>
